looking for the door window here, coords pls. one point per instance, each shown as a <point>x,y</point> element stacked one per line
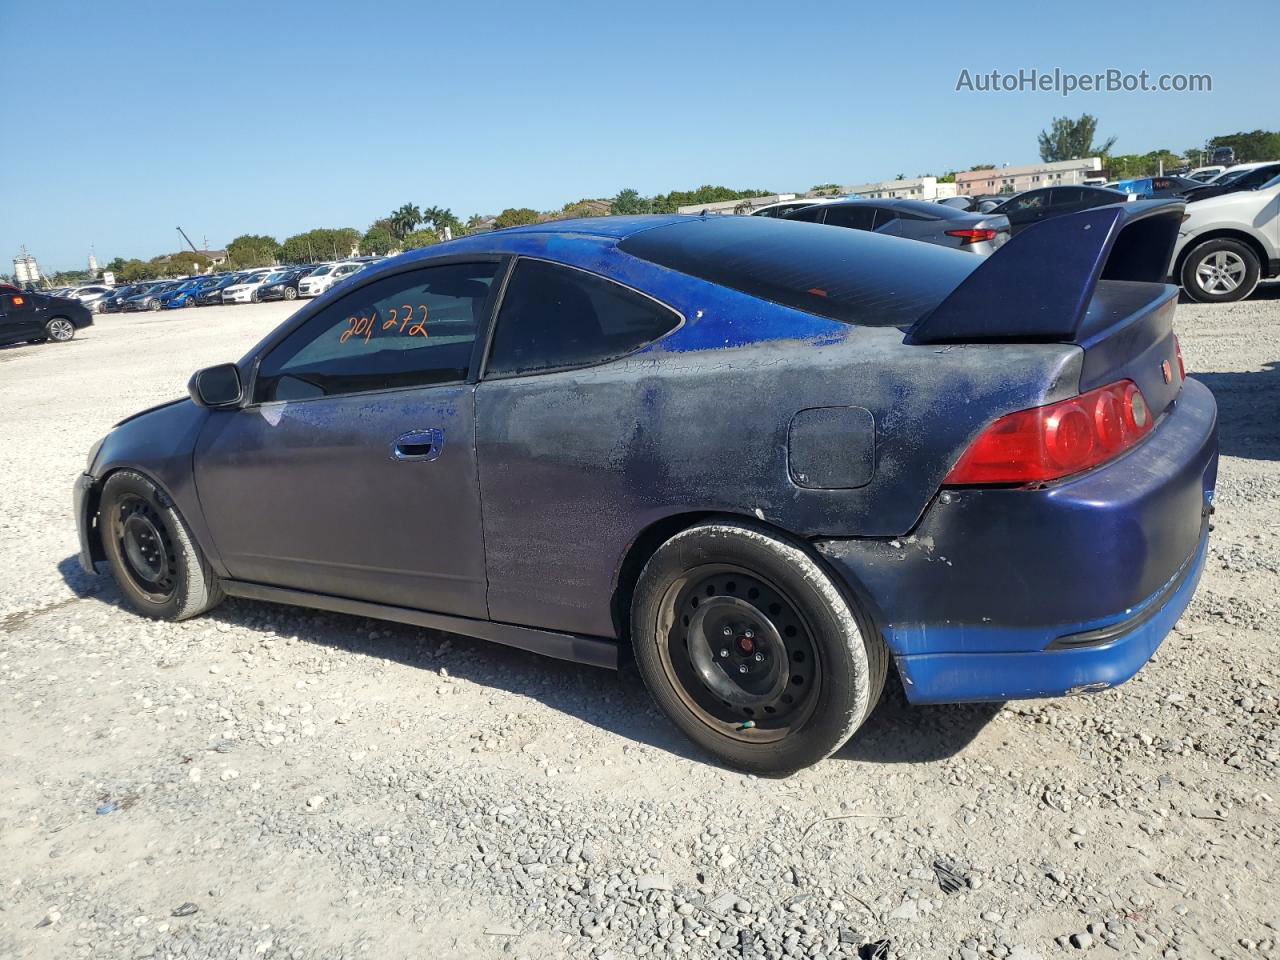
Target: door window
<point>1064,196</point>
<point>1030,201</point>
<point>410,329</point>
<point>556,317</point>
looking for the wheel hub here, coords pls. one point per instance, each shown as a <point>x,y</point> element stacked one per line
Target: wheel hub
<point>145,548</point>
<point>737,652</point>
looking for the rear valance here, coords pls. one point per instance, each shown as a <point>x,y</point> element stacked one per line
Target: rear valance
<point>1038,286</point>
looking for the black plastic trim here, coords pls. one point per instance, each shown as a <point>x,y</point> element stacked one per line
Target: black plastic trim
<point>592,651</point>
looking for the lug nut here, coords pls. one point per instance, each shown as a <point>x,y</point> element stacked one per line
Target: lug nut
<point>742,668</point>
<point>724,653</point>
<point>749,633</point>
<point>758,658</point>
<point>727,631</point>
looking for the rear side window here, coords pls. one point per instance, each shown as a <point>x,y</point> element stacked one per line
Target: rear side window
<point>846,275</point>
<point>855,217</point>
<point>409,329</point>
<point>555,317</point>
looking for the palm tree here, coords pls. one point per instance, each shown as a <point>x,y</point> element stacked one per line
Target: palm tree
<point>405,220</point>
<point>441,220</point>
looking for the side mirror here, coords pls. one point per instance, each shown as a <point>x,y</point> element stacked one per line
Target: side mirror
<point>216,386</point>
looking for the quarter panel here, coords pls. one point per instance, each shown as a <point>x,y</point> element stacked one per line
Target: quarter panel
<point>575,465</point>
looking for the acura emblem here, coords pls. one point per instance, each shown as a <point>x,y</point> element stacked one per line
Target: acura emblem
<point>1167,371</point>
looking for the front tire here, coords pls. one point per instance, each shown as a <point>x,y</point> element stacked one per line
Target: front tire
<point>154,305</point>
<point>1221,271</point>
<point>751,649</point>
<point>290,293</point>
<point>60,329</point>
<point>154,559</point>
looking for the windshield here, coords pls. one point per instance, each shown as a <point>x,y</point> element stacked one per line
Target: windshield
<point>321,270</point>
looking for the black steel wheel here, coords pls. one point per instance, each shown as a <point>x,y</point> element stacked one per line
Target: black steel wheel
<point>739,653</point>
<point>156,563</point>
<point>753,651</point>
<point>143,541</point>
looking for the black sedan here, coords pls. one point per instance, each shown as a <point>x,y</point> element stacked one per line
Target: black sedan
<point>211,295</point>
<point>36,317</point>
<point>1234,181</point>
<point>283,285</point>
<point>1046,202</point>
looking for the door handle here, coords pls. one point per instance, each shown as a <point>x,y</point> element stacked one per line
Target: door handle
<point>418,445</point>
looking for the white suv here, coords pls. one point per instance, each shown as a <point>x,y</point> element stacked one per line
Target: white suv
<point>1226,244</point>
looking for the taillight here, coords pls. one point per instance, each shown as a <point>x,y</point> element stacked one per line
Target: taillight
<point>1182,367</point>
<point>1048,443</point>
<point>973,236</point>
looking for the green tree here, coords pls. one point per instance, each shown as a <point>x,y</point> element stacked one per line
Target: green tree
<point>825,189</point>
<point>186,262</point>
<point>670,202</point>
<point>1068,139</point>
<point>516,217</point>
<point>116,265</point>
<point>420,238</point>
<point>982,166</point>
<point>131,271</point>
<point>252,250</point>
<point>629,202</point>
<point>1251,147</point>
<point>405,219</point>
<point>320,244</point>
<point>379,239</point>
<point>580,208</point>
<point>440,219</point>
<point>475,220</point>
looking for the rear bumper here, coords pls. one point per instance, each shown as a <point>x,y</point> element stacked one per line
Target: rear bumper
<point>1003,593</point>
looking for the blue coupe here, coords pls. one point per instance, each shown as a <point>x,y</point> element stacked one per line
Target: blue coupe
<point>771,459</point>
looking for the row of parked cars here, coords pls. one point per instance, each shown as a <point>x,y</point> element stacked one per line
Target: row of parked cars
<point>246,286</point>
<point>1229,240</point>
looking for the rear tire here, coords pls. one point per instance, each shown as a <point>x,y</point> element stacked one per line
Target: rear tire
<point>60,329</point>
<point>155,561</point>
<point>1220,271</point>
<point>751,649</point>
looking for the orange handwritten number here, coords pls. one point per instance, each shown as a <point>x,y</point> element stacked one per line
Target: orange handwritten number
<point>420,327</point>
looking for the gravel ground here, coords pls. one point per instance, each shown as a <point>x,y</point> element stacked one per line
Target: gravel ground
<point>268,782</point>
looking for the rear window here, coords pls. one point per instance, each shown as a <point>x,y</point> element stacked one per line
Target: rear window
<point>847,275</point>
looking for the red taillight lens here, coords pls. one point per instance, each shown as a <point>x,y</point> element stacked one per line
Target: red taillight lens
<point>972,236</point>
<point>1048,443</point>
<point>1182,367</point>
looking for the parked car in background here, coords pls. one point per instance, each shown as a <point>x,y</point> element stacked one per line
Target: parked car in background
<point>1155,188</point>
<point>1043,203</point>
<point>114,301</point>
<point>1226,156</point>
<point>245,289</point>
<point>211,295</point>
<point>914,220</point>
<point>91,295</point>
<point>27,317</point>
<point>959,203</point>
<point>283,284</point>
<point>325,276</point>
<point>783,207</point>
<point>183,295</point>
<point>1205,174</point>
<point>988,202</point>
<point>768,544</point>
<point>1244,176</point>
<point>1227,243</point>
<point>149,297</point>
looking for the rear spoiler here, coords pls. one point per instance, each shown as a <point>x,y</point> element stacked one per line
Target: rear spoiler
<point>1037,287</point>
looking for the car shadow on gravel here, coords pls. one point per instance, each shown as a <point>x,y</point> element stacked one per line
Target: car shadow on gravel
<point>614,701</point>
<point>1248,411</point>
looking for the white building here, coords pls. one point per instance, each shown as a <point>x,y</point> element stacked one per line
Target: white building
<point>1029,176</point>
<point>909,188</point>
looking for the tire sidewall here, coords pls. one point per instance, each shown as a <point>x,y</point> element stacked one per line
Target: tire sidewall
<point>195,588</point>
<point>1253,270</point>
<point>48,329</point>
<point>851,677</point>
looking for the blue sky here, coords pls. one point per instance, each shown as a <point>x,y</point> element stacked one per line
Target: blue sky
<point>235,117</point>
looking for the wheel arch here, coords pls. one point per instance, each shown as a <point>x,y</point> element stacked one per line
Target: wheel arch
<point>1224,233</point>
<point>93,504</point>
<point>660,531</point>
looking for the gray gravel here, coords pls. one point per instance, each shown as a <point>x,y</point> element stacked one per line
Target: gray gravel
<point>268,782</point>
